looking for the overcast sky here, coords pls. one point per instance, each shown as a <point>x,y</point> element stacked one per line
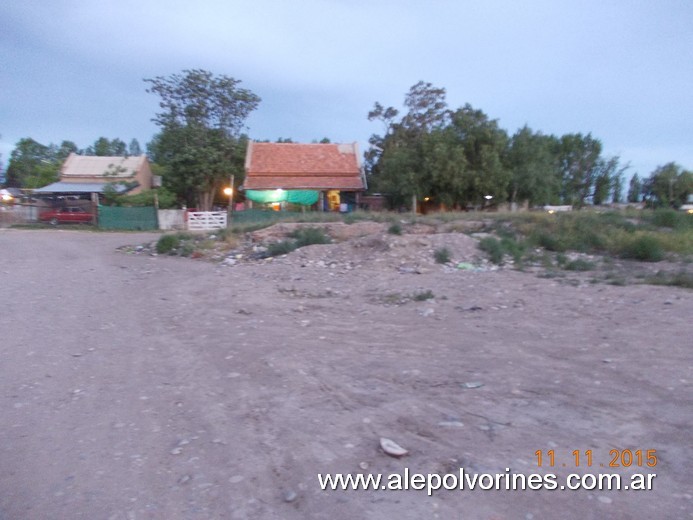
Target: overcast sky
<point>622,70</point>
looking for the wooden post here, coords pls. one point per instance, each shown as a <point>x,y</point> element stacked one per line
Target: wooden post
<point>95,208</point>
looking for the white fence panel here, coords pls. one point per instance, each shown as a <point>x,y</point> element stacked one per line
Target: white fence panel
<point>171,219</point>
<point>206,220</point>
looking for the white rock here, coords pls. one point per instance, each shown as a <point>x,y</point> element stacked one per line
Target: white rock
<point>392,448</point>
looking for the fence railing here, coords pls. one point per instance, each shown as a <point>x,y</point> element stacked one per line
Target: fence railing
<point>205,220</point>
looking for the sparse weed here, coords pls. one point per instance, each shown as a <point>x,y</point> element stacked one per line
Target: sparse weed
<point>422,296</point>
<point>281,248</point>
<point>309,236</point>
<point>645,248</point>
<point>442,255</point>
<point>579,264</point>
<point>680,279</point>
<point>493,247</point>
<point>395,229</point>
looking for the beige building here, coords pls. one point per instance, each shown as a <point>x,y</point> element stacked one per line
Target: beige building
<point>132,172</point>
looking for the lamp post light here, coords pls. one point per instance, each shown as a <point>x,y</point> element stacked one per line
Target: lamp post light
<point>229,192</point>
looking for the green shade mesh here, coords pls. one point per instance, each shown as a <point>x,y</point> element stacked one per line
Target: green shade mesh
<point>303,197</point>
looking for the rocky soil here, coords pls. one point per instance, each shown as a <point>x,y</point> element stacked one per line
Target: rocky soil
<point>141,386</point>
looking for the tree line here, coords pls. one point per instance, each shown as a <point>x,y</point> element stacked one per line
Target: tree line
<point>461,159</point>
<point>33,165</point>
<point>455,159</point>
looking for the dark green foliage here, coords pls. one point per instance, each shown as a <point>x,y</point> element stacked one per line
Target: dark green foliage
<point>167,244</point>
<point>513,248</point>
<point>634,189</point>
<point>187,249</point>
<point>579,265</point>
<point>645,248</point>
<point>549,241</point>
<point>301,237</point>
<point>680,279</point>
<point>671,218</point>
<point>493,247</point>
<point>423,296</point>
<point>281,248</point>
<point>668,186</point>
<point>395,229</point>
<point>200,143</point>
<point>442,255</point>
<point>507,245</point>
<point>309,236</point>
<point>107,147</point>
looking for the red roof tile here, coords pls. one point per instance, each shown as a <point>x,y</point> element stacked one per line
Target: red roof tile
<point>303,166</point>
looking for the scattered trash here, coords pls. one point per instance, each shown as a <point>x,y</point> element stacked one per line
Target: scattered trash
<point>472,384</point>
<point>466,266</point>
<point>290,496</point>
<point>392,448</point>
<point>363,465</point>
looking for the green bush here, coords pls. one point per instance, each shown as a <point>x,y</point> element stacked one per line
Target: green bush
<point>187,249</point>
<point>167,244</point>
<point>309,236</point>
<point>680,279</point>
<point>670,218</point>
<point>579,265</point>
<point>513,248</point>
<point>442,255</point>
<point>423,296</point>
<point>549,241</point>
<point>395,229</point>
<point>281,248</point>
<point>645,248</point>
<point>493,247</point>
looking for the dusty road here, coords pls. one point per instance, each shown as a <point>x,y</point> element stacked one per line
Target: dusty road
<point>139,387</point>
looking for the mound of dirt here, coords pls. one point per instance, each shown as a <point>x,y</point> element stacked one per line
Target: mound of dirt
<point>369,245</point>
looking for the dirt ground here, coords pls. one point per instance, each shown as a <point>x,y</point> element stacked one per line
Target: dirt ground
<point>149,387</point>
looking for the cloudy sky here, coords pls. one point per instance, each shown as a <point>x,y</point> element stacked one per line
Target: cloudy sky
<point>622,70</point>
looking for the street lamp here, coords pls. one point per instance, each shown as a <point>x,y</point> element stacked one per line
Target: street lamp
<point>228,191</point>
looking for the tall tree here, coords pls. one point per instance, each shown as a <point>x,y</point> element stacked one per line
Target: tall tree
<point>200,141</point>
<point>634,189</point>
<point>395,160</point>
<point>533,166</point>
<point>668,186</point>
<point>608,182</point>
<point>134,148</point>
<point>484,144</point>
<point>104,147</point>
<point>65,149</point>
<point>32,165</point>
<point>579,156</point>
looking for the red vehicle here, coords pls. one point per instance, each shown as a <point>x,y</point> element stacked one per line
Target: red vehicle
<point>66,215</point>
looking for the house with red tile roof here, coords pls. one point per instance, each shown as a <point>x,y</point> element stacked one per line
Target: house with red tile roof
<point>329,175</point>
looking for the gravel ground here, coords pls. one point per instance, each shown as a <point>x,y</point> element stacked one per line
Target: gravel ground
<point>148,387</point>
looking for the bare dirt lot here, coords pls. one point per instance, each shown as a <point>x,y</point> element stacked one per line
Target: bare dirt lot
<point>148,387</point>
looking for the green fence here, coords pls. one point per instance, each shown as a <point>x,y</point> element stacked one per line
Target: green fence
<point>113,217</point>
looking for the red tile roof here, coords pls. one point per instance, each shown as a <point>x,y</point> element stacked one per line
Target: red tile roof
<point>292,166</point>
